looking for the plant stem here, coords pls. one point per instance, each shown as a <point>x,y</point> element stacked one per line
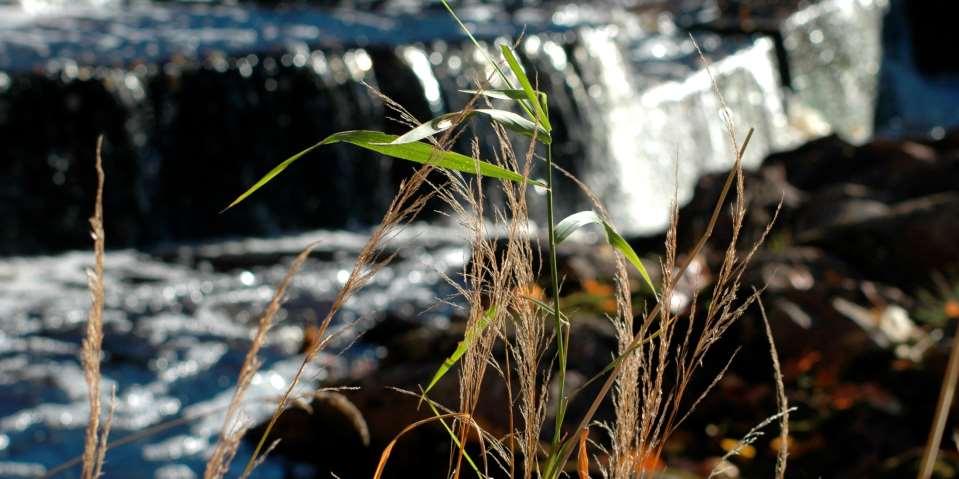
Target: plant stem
<point>561,336</point>
<point>942,411</point>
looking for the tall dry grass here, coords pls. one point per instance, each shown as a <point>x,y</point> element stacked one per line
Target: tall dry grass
<point>662,357</point>
<point>234,425</point>
<point>659,351</point>
<point>497,290</point>
<point>95,438</point>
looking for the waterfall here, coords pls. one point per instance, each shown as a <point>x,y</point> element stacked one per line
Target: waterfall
<point>198,101</point>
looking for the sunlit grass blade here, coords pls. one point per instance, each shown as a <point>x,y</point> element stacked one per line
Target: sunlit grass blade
<point>425,154</point>
<point>516,123</point>
<point>436,125</point>
<point>508,119</point>
<point>506,94</point>
<point>468,339</point>
<point>416,152</point>
<point>576,221</point>
<point>531,96</point>
<point>540,112</point>
<point>499,93</point>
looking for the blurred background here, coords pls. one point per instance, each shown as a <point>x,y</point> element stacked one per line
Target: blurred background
<point>854,103</point>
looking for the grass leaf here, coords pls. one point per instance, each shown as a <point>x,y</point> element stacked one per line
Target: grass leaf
<point>499,93</point>
<point>506,94</point>
<point>269,176</point>
<point>516,123</point>
<point>424,153</point>
<point>547,308</point>
<point>468,339</point>
<point>416,152</point>
<point>388,450</point>
<point>436,125</point>
<point>541,116</point>
<point>508,119</point>
<point>576,221</point>
<point>456,440</point>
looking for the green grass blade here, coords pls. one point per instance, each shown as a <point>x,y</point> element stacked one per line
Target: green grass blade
<point>455,439</point>
<point>620,243</point>
<point>475,42</point>
<point>489,59</point>
<point>468,339</point>
<point>499,93</point>
<point>547,308</point>
<point>508,119</point>
<point>269,176</point>
<point>576,221</point>
<point>436,125</point>
<point>423,153</point>
<point>531,95</point>
<point>516,123</point>
<point>416,152</point>
<point>506,94</point>
<point>553,469</point>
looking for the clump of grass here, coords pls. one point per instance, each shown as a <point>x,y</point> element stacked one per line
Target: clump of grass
<point>650,405</point>
<point>496,288</point>
<point>659,351</point>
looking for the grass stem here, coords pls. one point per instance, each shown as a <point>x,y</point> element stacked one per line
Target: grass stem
<point>561,336</point>
<point>946,395</point>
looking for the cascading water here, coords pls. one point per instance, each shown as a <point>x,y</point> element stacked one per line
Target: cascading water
<point>197,101</point>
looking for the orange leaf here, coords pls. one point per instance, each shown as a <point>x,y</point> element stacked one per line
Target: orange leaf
<point>531,290</point>
<point>951,308</point>
<point>583,454</point>
<point>595,288</point>
<point>649,463</point>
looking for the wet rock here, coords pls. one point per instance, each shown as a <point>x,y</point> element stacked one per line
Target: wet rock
<point>903,246</point>
<point>869,206</point>
<point>817,163</point>
<point>801,283</point>
<point>847,203</point>
<point>921,167</point>
<point>329,432</point>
